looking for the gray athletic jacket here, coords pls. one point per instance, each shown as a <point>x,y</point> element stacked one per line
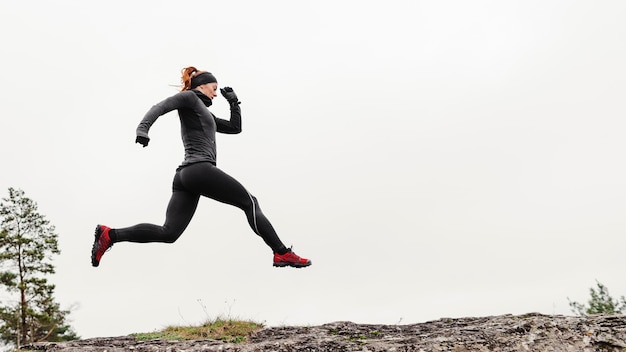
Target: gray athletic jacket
<point>197,124</point>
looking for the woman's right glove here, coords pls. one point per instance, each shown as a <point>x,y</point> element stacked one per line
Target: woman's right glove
<point>229,94</point>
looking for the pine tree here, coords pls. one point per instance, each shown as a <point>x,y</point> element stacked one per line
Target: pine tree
<point>600,302</point>
<point>27,243</point>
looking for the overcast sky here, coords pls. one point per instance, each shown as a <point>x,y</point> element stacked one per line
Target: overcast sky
<point>433,158</point>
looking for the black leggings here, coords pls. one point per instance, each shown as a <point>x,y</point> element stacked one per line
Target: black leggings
<point>191,182</point>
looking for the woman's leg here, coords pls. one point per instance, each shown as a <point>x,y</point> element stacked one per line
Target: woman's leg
<point>209,181</point>
<point>189,183</point>
<point>180,210</point>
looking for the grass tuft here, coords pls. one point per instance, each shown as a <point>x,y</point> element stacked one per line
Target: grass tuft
<point>227,330</point>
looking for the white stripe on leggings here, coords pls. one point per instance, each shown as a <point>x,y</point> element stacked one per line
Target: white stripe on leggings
<point>256,228</point>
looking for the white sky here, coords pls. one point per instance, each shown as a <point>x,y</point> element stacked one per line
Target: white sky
<point>433,158</point>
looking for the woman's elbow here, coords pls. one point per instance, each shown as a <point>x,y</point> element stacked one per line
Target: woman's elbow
<point>234,130</point>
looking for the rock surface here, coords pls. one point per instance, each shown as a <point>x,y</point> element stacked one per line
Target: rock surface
<point>530,332</point>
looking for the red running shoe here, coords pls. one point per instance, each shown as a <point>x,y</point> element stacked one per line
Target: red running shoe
<point>290,259</point>
<point>101,244</point>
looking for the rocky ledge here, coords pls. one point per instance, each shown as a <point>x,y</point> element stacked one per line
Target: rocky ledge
<point>530,332</point>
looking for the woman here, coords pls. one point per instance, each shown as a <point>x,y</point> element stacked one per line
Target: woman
<point>197,175</point>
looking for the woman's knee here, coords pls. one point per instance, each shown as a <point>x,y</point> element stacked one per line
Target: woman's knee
<point>250,203</point>
<point>170,235</point>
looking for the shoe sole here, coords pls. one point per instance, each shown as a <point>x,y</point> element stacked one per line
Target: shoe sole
<point>97,234</point>
<point>293,265</point>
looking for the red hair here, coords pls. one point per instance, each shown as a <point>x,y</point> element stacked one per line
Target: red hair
<point>187,74</point>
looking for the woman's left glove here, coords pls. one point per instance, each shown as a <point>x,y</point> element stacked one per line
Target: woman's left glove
<point>229,94</point>
<point>142,140</point>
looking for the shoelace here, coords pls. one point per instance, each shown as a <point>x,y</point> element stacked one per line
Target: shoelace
<point>101,243</point>
<point>292,256</point>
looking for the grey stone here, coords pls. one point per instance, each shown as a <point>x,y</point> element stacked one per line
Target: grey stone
<point>505,333</point>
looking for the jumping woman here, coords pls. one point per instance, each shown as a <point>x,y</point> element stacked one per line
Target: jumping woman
<point>197,175</point>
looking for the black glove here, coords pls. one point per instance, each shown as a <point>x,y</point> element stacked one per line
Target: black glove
<point>142,140</point>
<point>229,94</point>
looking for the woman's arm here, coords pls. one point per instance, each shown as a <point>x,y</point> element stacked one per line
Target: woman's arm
<point>232,126</point>
<point>174,102</point>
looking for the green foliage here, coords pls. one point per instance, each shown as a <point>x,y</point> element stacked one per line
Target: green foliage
<point>228,330</point>
<point>600,302</point>
<point>27,243</point>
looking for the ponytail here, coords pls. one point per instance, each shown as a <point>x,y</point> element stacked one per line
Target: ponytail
<point>187,74</point>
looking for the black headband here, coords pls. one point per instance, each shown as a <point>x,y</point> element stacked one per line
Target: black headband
<point>203,78</point>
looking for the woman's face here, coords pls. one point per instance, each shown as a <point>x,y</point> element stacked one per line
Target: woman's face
<point>209,89</point>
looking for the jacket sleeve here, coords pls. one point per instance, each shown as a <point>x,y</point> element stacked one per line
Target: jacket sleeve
<point>174,102</point>
<point>232,126</point>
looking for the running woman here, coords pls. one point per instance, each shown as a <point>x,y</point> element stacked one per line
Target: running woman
<point>197,175</point>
